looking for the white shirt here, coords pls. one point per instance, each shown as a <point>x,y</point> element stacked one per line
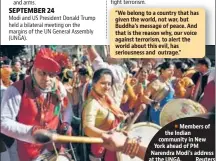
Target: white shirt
<point>10,106</point>
<point>3,89</point>
<point>211,75</point>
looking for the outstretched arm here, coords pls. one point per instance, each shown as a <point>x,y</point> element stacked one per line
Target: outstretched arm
<point>92,53</point>
<point>117,141</point>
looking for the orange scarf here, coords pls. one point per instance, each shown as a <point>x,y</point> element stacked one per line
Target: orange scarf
<point>107,101</point>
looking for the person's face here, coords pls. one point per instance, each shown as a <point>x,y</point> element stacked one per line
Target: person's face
<point>168,73</point>
<point>201,68</point>
<point>143,75</point>
<point>24,61</point>
<point>86,63</point>
<point>83,78</point>
<point>149,66</point>
<point>28,64</point>
<point>153,62</point>
<point>103,85</point>
<point>44,80</point>
<point>69,62</point>
<point>74,60</point>
<point>17,66</point>
<point>146,63</point>
<point>78,67</point>
<point>177,73</point>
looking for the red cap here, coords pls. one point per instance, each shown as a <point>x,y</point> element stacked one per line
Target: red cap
<point>50,61</point>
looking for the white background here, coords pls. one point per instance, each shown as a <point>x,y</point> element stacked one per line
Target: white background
<point>97,8</point>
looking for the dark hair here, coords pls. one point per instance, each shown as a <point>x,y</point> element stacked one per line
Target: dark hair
<point>83,71</point>
<point>13,77</point>
<point>14,62</point>
<point>164,66</point>
<point>205,61</point>
<point>181,66</point>
<point>84,59</point>
<point>68,73</point>
<point>99,73</point>
<point>74,56</point>
<point>141,69</point>
<point>6,62</point>
<point>128,65</point>
<point>22,76</point>
<point>189,62</point>
<point>77,63</point>
<point>64,80</point>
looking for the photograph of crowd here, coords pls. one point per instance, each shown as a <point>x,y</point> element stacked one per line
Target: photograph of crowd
<point>83,91</point>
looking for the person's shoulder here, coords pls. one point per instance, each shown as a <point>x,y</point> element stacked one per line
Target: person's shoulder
<point>118,67</point>
<point>186,79</point>
<point>19,84</point>
<point>3,87</point>
<point>91,103</point>
<point>119,71</point>
<point>11,91</point>
<point>196,74</point>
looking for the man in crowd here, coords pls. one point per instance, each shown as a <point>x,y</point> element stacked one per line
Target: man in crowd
<point>37,102</point>
<point>17,72</point>
<point>200,78</point>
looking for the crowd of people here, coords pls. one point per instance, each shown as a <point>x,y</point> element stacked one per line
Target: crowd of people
<point>90,97</point>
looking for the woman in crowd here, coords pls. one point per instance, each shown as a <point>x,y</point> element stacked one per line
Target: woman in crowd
<point>160,91</point>
<point>150,65</point>
<point>17,72</point>
<point>191,68</point>
<point>135,90</point>
<point>183,85</point>
<point>100,113</point>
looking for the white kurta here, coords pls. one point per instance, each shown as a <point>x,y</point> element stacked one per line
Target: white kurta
<point>10,106</point>
<point>3,89</point>
<point>11,153</point>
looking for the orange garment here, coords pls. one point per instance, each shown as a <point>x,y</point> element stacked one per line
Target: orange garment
<point>190,73</point>
<point>181,87</point>
<point>112,107</point>
<point>129,94</point>
<point>134,94</point>
<point>5,75</point>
